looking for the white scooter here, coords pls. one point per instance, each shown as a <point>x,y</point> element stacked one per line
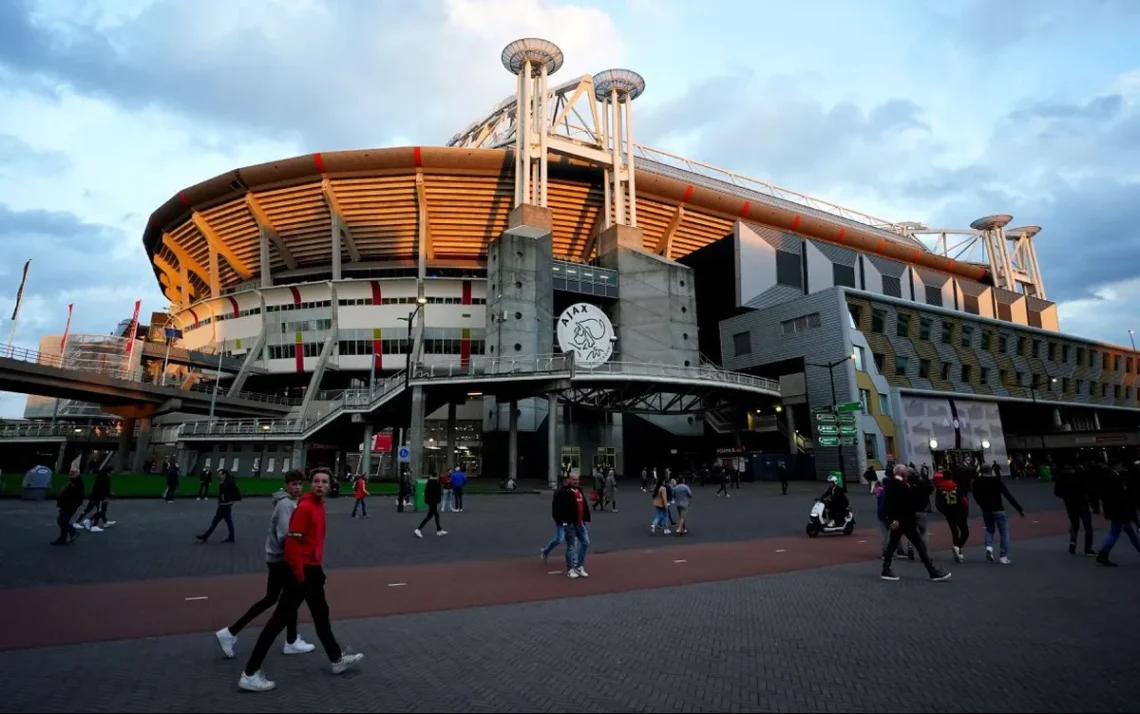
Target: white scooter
<point>816,523</point>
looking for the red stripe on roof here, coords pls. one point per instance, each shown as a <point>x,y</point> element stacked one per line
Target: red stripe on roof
<point>320,163</point>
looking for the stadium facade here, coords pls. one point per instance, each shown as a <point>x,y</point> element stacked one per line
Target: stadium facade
<point>542,230</point>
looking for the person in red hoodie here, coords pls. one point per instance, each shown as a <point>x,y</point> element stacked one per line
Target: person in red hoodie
<point>304,552</point>
<point>952,499</point>
<point>360,491</point>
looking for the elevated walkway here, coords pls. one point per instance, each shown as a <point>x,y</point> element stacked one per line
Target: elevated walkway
<point>196,359</point>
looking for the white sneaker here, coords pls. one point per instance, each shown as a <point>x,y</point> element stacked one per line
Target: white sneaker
<point>572,573</point>
<point>441,533</point>
<point>85,524</point>
<point>418,534</point>
<point>666,531</point>
<point>227,642</point>
<point>298,646</point>
<point>95,529</point>
<point>990,554</point>
<point>957,554</point>
<point>346,662</point>
<point>255,683</point>
<point>652,529</point>
<point>582,572</point>
<point>108,524</point>
<point>1004,560</point>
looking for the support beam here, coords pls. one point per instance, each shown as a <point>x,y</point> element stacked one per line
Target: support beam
<point>592,236</point>
<point>423,230</point>
<point>215,275</point>
<point>335,249</point>
<point>513,443</point>
<point>334,208</point>
<point>142,446</point>
<point>552,441</point>
<point>177,279</point>
<point>126,436</point>
<point>264,270</point>
<point>218,245</point>
<point>665,243</point>
<point>416,434</point>
<point>269,230</point>
<point>449,460</point>
<point>185,262</point>
<point>366,451</point>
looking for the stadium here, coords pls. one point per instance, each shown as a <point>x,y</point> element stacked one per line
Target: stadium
<point>543,293</point>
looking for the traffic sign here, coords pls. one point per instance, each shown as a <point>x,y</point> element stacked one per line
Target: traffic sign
<point>847,441</point>
<point>404,454</point>
<point>173,333</point>
<point>846,418</point>
<point>828,441</point>
<point>848,429</point>
<point>822,410</point>
<point>824,418</point>
<point>829,429</point>
<point>850,407</point>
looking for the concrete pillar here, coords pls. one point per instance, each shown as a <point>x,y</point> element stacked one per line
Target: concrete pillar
<point>552,441</point>
<point>142,446</point>
<point>125,438</point>
<point>1057,423</point>
<point>416,433</point>
<point>394,460</point>
<point>61,459</point>
<point>513,447</point>
<point>450,436</point>
<point>1096,421</point>
<point>300,456</point>
<point>366,451</point>
<point>790,419</point>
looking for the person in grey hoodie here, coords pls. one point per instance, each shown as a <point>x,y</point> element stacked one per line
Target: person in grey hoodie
<point>284,503</point>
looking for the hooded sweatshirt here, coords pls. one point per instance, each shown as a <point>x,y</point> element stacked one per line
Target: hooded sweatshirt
<point>283,507</point>
<point>305,541</point>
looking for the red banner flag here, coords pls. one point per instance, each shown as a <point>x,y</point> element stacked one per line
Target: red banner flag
<point>133,328</point>
<point>66,330</point>
<point>20,292</point>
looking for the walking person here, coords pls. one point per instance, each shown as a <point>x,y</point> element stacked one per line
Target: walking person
<point>360,492</point>
<point>871,479</point>
<point>284,503</point>
<point>1119,497</point>
<point>783,472</point>
<point>900,517</point>
<point>433,495</point>
<point>170,469</point>
<point>682,496</point>
<point>228,495</point>
<point>100,494</point>
<point>598,496</point>
<point>951,498</point>
<point>571,511</point>
<point>304,553</point>
<point>990,494</point>
<point>721,474</point>
<point>458,481</point>
<point>204,480</point>
<point>68,500</point>
<point>1073,492</point>
<point>644,479</point>
<point>445,486</point>
<point>610,492</point>
<point>661,509</point>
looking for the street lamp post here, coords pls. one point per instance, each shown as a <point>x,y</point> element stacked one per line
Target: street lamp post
<point>217,381</point>
<point>416,416</point>
<point>830,367</point>
<point>1132,339</point>
<point>1033,395</point>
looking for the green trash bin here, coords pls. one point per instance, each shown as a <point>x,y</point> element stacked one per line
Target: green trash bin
<point>421,486</point>
<point>1045,472</point>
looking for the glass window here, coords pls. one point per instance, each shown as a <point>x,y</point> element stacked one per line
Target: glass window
<point>924,368</point>
<point>966,373</point>
<point>1037,348</point>
<point>878,320</point>
<point>900,366</point>
<point>843,275</point>
<point>1021,345</point>
<point>878,362</point>
<point>1116,363</point>
<point>1003,344</point>
<point>858,352</point>
<point>924,326</point>
<point>871,445</point>
<point>987,340</point>
<point>742,343</point>
<point>967,336</point>
<point>947,333</point>
<point>1080,356</point>
<point>865,400</point>
<point>945,371</point>
<point>1003,377</point>
<point>902,328</point>
<point>1052,351</point>
<point>788,270</point>
<point>884,405</point>
<point>984,375</point>
<point>854,313</point>
<point>1064,353</point>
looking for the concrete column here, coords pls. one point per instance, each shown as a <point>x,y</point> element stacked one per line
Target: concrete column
<point>300,456</point>
<point>394,465</point>
<point>366,451</point>
<point>790,419</point>
<point>416,433</point>
<point>263,246</point>
<point>125,438</point>
<point>61,459</point>
<point>142,446</point>
<point>552,441</point>
<point>1096,421</point>
<point>513,447</point>
<point>450,436</point>
<point>1058,424</point>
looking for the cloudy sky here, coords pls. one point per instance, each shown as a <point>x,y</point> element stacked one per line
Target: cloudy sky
<point>939,112</point>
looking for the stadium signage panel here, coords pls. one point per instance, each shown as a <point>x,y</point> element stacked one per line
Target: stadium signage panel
<point>587,332</point>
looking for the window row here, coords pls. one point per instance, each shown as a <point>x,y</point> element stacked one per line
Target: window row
<point>344,302</point>
<point>396,346</point>
<point>798,324</point>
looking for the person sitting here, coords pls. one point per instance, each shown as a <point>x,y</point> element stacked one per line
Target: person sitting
<point>835,502</point>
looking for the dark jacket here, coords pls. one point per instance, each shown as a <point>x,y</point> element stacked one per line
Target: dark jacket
<point>433,492</point>
<point>1119,499</point>
<point>1069,485</point>
<point>920,492</point>
<point>564,507</point>
<point>70,497</point>
<point>898,503</point>
<point>228,493</point>
<point>988,493</point>
<point>101,489</point>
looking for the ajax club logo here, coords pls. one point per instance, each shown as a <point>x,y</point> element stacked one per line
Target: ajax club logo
<point>586,331</point>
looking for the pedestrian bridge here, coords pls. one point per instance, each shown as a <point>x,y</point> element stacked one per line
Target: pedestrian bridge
<point>627,386</point>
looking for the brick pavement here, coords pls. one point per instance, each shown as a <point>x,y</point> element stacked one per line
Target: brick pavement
<point>1049,633</point>
<point>153,540</point>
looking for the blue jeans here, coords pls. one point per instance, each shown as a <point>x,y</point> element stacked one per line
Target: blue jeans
<point>446,499</point>
<point>1113,534</point>
<point>578,543</point>
<point>661,517</point>
<point>996,518</point>
<point>560,535</point>
<point>361,505</point>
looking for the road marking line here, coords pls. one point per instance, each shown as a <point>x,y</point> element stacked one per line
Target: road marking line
<point>782,550</point>
<point>396,585</point>
<point>680,561</point>
<point>553,572</point>
<point>862,541</point>
<point>1036,521</point>
<point>199,597</point>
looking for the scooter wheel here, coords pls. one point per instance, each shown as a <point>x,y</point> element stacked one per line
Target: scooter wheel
<point>812,530</point>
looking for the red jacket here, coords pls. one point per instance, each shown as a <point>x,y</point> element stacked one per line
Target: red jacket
<point>305,542</point>
<point>360,490</point>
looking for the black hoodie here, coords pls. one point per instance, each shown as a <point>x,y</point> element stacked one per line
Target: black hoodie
<point>101,489</point>
<point>988,493</point>
<point>70,497</point>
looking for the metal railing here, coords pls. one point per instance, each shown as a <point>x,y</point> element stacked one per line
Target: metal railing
<point>672,371</point>
<point>496,367</point>
<point>132,374</point>
<point>39,430</point>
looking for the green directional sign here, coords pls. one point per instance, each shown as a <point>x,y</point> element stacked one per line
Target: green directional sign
<point>846,418</point>
<point>847,441</point>
<point>828,441</point>
<point>825,418</point>
<point>850,407</point>
<point>823,410</point>
<point>829,429</point>
<point>848,429</point>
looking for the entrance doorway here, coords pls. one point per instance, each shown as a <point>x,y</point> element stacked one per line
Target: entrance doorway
<point>955,459</point>
<point>572,459</point>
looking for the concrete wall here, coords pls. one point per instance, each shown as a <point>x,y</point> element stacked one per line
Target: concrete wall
<point>520,304</point>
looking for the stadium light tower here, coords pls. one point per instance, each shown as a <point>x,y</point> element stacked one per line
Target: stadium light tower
<point>532,60</point>
<point>616,89</point>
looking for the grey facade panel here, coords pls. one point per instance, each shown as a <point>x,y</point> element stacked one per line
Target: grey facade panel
<point>887,266</point>
<point>837,253</point>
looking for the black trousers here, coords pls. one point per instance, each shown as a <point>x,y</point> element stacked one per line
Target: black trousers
<point>458,493</point>
<point>203,489</point>
<point>1079,515</point>
<point>100,508</point>
<point>784,485</point>
<point>312,593</point>
<point>959,528</point>
<point>171,489</point>
<point>64,523</point>
<point>723,488</point>
<point>224,513</point>
<point>910,530</point>
<point>433,512</point>
<point>279,579</point>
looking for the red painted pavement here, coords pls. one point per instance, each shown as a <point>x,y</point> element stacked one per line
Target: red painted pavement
<point>150,608</point>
